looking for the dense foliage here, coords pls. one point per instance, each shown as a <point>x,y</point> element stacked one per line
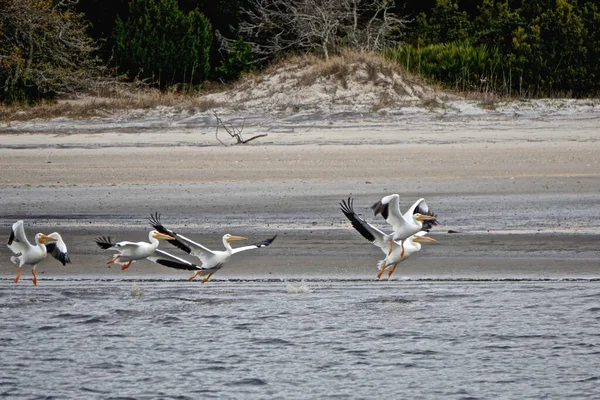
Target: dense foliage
<point>515,47</point>
<point>534,47</point>
<point>163,45</point>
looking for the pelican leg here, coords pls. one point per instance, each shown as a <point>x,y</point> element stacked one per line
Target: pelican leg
<point>18,274</point>
<point>193,276</point>
<point>34,276</point>
<point>392,270</point>
<point>115,258</point>
<point>381,271</point>
<point>391,247</point>
<point>125,266</point>
<point>206,278</point>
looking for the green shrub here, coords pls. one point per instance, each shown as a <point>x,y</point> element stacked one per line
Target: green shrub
<point>160,44</point>
<point>239,60</point>
<point>459,64</point>
<point>534,47</point>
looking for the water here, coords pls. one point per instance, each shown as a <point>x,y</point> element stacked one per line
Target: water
<point>331,339</point>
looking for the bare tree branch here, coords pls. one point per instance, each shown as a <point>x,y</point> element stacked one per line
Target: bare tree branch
<point>323,26</point>
<point>231,130</point>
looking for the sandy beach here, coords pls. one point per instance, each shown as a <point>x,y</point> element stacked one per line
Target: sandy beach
<point>522,190</point>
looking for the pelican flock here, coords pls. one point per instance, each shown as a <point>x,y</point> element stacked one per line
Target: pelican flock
<point>409,230</point>
<point>32,254</point>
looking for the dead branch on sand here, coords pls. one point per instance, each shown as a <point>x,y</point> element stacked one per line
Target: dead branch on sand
<point>231,130</point>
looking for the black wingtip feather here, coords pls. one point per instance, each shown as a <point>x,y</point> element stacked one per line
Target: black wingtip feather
<point>157,224</point>
<point>11,238</point>
<point>380,208</point>
<point>348,210</point>
<point>176,265</point>
<point>104,242</point>
<point>52,249</point>
<point>265,243</point>
<point>65,259</point>
<point>154,219</point>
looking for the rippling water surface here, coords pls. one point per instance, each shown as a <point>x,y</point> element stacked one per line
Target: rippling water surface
<point>358,339</point>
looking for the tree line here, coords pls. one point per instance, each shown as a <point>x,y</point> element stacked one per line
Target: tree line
<point>514,47</point>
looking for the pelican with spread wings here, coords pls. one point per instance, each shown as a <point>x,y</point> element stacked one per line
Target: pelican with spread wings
<point>130,252</point>
<point>32,254</point>
<point>398,250</point>
<point>212,260</point>
<point>417,218</point>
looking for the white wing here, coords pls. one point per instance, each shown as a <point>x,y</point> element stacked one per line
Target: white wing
<point>255,245</point>
<point>423,209</point>
<point>17,241</point>
<point>128,245</point>
<point>389,207</point>
<point>195,249</point>
<point>58,249</point>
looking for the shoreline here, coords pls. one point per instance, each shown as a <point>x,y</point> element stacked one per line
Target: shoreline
<point>524,197</point>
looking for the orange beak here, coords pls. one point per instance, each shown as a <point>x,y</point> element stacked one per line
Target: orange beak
<point>232,238</point>
<point>162,236</point>
<point>424,239</point>
<point>423,217</point>
<point>45,238</point>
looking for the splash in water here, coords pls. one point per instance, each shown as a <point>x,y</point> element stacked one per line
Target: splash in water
<point>302,287</point>
<point>136,290</point>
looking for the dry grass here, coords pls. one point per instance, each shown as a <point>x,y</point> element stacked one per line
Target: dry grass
<point>343,67</point>
<point>105,103</point>
<point>354,79</point>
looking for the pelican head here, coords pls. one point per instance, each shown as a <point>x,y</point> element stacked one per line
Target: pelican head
<point>230,238</point>
<point>159,235</point>
<point>423,217</point>
<point>41,238</point>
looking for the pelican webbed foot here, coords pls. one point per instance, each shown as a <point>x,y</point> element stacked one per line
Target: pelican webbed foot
<point>194,275</point>
<point>206,278</point>
<point>112,260</point>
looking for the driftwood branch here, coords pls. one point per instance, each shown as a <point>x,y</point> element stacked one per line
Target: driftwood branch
<point>233,132</point>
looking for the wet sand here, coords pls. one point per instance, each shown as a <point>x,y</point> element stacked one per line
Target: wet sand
<point>524,209</point>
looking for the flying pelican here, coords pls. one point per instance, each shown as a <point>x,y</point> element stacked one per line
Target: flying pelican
<point>133,251</point>
<point>398,250</point>
<point>212,261</point>
<point>417,218</point>
<point>28,254</point>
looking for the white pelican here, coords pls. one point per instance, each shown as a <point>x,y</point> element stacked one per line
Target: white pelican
<point>399,251</point>
<point>212,261</point>
<point>133,251</point>
<point>28,254</point>
<point>417,218</point>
